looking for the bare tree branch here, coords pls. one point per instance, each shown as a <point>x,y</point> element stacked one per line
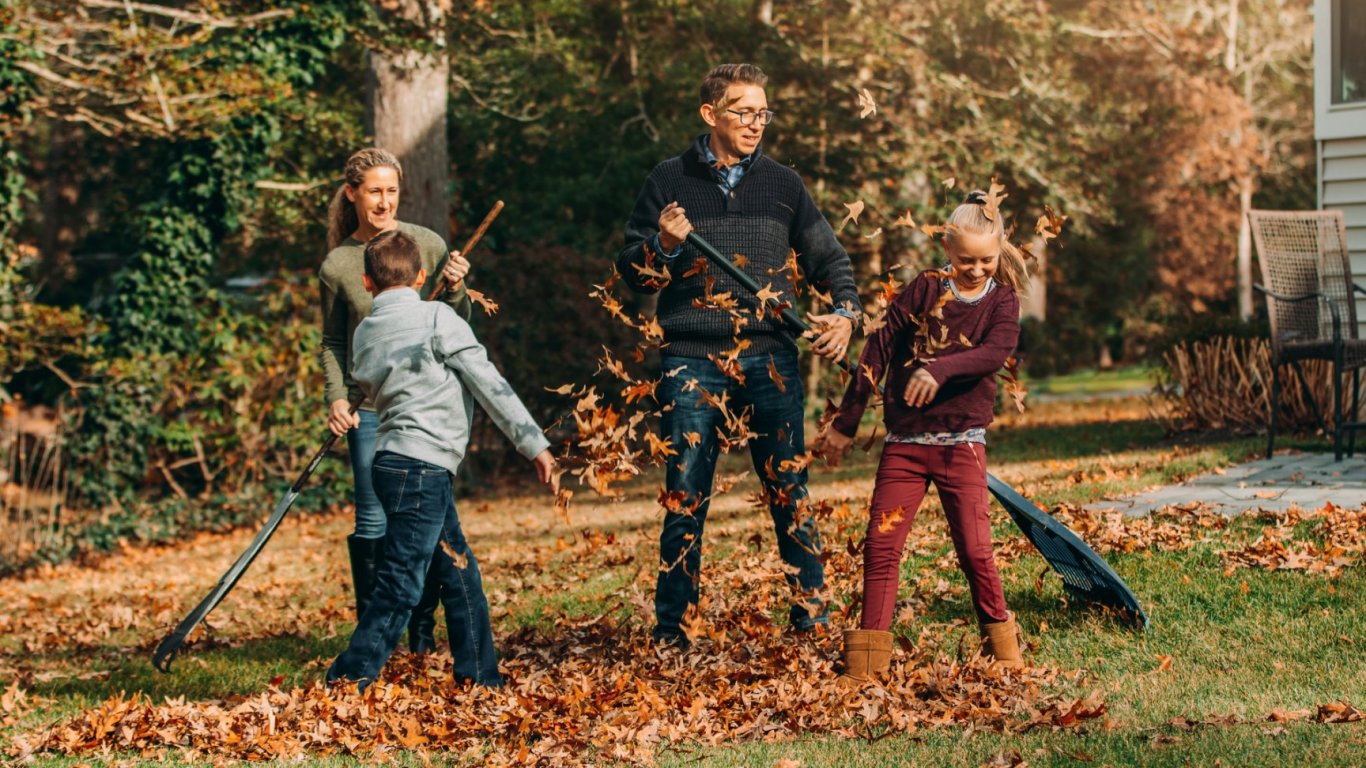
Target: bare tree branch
<point>201,19</point>
<point>292,186</point>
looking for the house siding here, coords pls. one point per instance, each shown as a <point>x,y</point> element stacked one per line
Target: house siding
<point>1342,187</point>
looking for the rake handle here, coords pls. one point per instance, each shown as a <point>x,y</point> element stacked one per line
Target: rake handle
<point>794,321</point>
<point>478,235</point>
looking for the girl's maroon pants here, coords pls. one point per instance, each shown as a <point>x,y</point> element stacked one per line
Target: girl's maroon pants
<point>960,473</point>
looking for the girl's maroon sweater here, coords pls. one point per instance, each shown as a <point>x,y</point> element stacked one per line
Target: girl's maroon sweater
<point>965,371</point>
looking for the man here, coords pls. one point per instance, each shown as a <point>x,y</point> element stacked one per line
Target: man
<point>730,367</point>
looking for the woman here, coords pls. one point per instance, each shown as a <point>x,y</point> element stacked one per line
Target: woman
<point>364,206</point>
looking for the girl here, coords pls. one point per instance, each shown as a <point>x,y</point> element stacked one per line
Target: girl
<point>946,336</point>
<point>364,206</point>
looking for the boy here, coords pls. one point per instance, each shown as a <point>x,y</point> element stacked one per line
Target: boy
<point>423,368</point>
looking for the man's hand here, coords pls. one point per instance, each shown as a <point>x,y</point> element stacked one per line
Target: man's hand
<point>547,471</point>
<point>673,226</point>
<point>340,418</point>
<point>832,445</point>
<point>832,335</point>
<point>457,267</point>
<point>921,389</point>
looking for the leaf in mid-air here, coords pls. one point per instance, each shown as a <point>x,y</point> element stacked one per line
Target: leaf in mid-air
<point>855,210</point>
<point>995,194</point>
<point>866,104</point>
<point>888,520</point>
<point>489,306</point>
<point>778,380</point>
<point>1049,224</point>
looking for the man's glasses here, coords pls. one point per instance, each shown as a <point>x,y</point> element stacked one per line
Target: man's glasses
<point>763,116</point>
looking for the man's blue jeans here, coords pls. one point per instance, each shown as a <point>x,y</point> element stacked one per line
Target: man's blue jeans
<point>692,426</point>
<point>421,518</point>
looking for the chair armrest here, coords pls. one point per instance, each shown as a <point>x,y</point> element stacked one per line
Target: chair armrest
<point>1280,297</point>
<point>1332,305</point>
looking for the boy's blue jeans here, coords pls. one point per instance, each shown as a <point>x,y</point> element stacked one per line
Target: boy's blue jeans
<point>692,425</point>
<point>421,518</point>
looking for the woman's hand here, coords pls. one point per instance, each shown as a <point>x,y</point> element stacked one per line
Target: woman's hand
<point>340,417</point>
<point>921,389</point>
<point>547,471</point>
<point>457,266</point>
<point>832,445</point>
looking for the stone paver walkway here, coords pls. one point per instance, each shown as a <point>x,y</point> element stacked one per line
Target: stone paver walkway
<point>1304,479</point>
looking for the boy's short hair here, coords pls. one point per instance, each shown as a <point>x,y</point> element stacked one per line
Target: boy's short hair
<point>720,78</point>
<point>392,258</point>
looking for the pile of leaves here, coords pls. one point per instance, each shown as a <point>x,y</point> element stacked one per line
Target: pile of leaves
<point>587,688</point>
<point>582,685</point>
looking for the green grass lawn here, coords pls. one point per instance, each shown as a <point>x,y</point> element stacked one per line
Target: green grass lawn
<point>1225,649</point>
<point>1131,378</point>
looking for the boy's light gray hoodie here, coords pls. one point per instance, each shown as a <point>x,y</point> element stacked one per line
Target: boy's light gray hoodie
<point>422,366</point>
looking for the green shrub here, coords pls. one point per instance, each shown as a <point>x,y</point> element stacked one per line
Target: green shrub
<point>243,410</point>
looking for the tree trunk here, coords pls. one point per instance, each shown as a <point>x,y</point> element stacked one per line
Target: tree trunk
<point>406,113</point>
<point>763,12</point>
<point>815,369</point>
<point>61,197</point>
<point>1245,181</point>
<point>1035,303</point>
<point>1244,248</point>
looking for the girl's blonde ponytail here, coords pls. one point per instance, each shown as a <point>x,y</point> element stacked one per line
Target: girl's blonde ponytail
<point>972,217</point>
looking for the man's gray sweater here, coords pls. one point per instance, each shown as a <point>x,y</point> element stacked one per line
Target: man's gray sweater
<point>421,365</point>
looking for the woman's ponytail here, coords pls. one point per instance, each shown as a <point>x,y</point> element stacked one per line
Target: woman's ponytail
<point>341,218</point>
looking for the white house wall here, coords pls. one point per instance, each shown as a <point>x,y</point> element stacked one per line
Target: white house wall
<point>1340,131</point>
<point>1342,187</point>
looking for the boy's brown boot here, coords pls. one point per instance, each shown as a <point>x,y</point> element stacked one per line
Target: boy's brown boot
<point>867,654</point>
<point>1003,643</point>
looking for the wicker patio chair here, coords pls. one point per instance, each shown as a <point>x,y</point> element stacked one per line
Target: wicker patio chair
<point>1311,301</point>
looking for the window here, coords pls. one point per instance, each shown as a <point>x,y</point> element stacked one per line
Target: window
<point>1349,51</point>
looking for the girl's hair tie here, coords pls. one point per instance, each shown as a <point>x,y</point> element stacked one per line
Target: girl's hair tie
<point>976,197</point>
